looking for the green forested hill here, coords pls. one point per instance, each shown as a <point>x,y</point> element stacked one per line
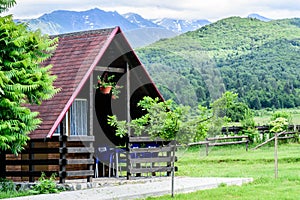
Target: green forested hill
<point>258,60</point>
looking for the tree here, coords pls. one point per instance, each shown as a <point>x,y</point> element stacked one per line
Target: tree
<point>169,121</point>
<point>23,81</point>
<point>6,4</point>
<point>228,106</point>
<point>161,120</point>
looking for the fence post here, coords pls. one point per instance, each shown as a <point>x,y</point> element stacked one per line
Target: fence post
<point>206,146</point>
<point>173,145</point>
<point>276,155</point>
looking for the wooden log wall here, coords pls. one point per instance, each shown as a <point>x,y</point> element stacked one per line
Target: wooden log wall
<point>67,157</point>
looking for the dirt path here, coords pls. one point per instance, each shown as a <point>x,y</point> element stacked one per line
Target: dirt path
<point>133,190</point>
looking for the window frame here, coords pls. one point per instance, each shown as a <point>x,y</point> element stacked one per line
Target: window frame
<point>67,121</point>
<point>82,118</point>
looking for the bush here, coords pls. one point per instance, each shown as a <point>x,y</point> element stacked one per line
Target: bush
<point>282,114</point>
<point>278,125</point>
<point>45,186</point>
<point>7,185</point>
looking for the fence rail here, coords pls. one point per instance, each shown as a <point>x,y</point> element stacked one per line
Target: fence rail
<point>152,159</point>
<point>261,129</point>
<point>211,141</point>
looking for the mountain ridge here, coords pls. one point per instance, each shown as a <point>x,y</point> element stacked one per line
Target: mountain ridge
<point>65,21</point>
<point>259,60</point>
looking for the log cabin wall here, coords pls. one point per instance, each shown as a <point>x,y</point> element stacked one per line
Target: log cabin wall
<point>46,157</point>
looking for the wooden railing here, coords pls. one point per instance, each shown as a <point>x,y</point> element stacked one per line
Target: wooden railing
<point>154,159</point>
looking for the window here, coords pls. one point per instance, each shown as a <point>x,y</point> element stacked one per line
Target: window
<point>66,126</point>
<point>57,131</point>
<point>78,117</point>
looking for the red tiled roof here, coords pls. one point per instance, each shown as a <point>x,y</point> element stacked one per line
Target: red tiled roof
<point>73,61</point>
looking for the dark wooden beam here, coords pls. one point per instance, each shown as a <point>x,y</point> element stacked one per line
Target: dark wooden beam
<point>80,138</point>
<point>152,169</point>
<point>109,69</point>
<point>3,164</point>
<point>31,158</point>
<point>33,162</point>
<point>145,139</point>
<point>62,155</point>
<point>27,173</point>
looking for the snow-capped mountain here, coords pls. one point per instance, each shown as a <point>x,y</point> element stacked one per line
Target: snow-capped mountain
<point>180,26</point>
<point>140,21</point>
<point>259,17</point>
<point>64,21</point>
<point>69,21</point>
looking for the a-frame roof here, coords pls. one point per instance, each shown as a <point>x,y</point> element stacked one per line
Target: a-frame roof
<point>73,62</point>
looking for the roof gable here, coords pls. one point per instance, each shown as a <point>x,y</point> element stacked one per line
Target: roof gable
<point>75,58</point>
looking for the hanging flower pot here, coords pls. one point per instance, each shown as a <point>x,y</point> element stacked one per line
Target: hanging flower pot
<point>107,85</point>
<point>105,90</point>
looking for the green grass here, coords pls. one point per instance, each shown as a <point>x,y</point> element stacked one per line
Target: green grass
<point>263,116</point>
<point>236,162</point>
<point>4,195</point>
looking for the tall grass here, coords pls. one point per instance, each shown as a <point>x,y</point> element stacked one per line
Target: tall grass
<point>234,161</point>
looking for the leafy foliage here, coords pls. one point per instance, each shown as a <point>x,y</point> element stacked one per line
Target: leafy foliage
<point>108,81</point>
<point>229,106</point>
<point>45,186</point>
<point>22,81</point>
<point>169,121</point>
<point>249,127</point>
<point>7,185</point>
<point>6,4</point>
<point>105,81</point>
<point>194,124</point>
<point>278,125</point>
<point>282,114</point>
<point>159,121</point>
<point>258,60</point>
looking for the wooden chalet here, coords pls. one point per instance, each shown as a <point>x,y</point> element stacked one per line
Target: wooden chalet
<point>75,120</point>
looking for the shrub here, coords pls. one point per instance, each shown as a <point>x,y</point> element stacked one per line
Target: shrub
<point>278,125</point>
<point>7,185</point>
<point>282,114</point>
<point>45,186</point>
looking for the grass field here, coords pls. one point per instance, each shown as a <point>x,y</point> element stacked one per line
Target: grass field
<point>262,117</point>
<point>236,162</point>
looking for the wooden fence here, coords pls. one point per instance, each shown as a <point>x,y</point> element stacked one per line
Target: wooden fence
<point>230,136</point>
<point>221,141</point>
<point>261,129</point>
<point>150,159</point>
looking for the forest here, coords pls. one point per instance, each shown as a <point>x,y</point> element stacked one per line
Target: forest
<point>257,60</point>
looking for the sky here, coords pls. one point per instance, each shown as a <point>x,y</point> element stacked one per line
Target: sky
<point>212,10</point>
